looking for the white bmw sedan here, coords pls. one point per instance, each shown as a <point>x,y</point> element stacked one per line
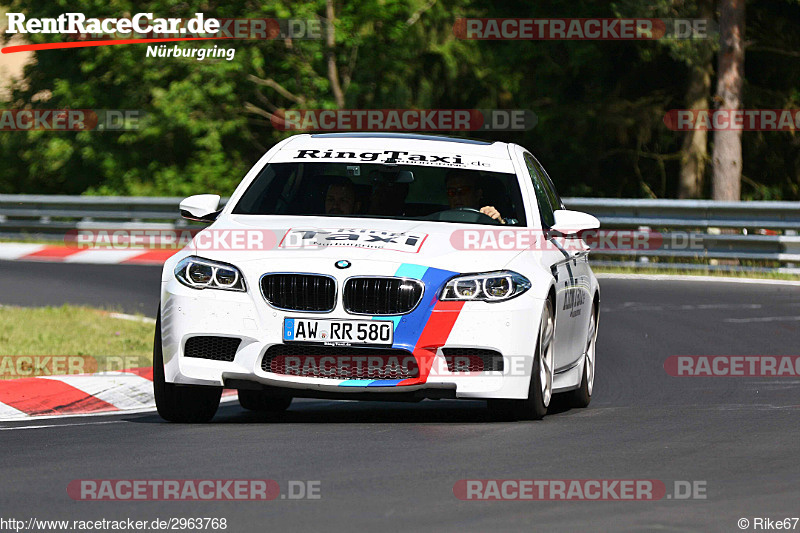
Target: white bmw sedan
<point>380,266</point>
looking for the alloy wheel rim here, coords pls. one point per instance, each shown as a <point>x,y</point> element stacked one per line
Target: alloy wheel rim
<point>546,356</point>
<point>590,352</point>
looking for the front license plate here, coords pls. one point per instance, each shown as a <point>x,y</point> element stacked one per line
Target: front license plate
<point>336,331</point>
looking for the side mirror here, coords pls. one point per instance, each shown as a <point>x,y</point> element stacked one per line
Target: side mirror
<point>200,207</point>
<point>572,222</point>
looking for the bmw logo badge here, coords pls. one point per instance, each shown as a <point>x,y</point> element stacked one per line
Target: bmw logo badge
<point>343,264</point>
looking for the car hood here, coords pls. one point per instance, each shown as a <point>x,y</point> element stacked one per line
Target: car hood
<point>244,238</point>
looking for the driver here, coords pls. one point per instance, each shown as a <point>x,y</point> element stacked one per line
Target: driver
<point>463,191</point>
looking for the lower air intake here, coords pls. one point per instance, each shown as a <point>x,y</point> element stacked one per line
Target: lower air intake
<point>214,348</point>
<point>472,360</point>
<point>336,362</point>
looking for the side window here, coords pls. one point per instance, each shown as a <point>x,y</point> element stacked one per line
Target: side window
<point>542,195</point>
<point>552,195</point>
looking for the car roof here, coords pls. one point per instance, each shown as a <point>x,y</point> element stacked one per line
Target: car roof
<point>390,135</point>
<point>399,141</point>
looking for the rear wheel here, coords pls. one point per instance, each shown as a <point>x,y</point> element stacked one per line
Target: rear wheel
<point>180,403</point>
<point>256,400</point>
<point>540,390</point>
<point>581,396</point>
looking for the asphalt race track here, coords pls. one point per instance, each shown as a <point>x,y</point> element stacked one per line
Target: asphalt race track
<point>392,467</point>
<point>128,288</point>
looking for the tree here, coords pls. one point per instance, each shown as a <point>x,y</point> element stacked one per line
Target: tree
<point>727,160</point>
<point>694,152</point>
<point>696,54</point>
<point>600,104</point>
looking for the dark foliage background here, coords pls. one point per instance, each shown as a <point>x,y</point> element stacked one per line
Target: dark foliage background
<point>600,104</point>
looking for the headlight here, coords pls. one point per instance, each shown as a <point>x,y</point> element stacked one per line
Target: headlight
<point>200,273</point>
<point>490,287</point>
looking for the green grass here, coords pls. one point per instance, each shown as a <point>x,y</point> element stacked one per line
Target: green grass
<point>77,339</point>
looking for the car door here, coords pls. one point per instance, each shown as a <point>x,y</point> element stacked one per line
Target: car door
<point>559,261</point>
<point>577,306</point>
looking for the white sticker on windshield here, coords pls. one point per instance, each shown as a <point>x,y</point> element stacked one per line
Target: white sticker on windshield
<point>360,238</point>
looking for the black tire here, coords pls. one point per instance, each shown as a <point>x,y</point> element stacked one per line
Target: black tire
<point>534,407</point>
<point>256,400</point>
<point>180,403</point>
<point>582,396</point>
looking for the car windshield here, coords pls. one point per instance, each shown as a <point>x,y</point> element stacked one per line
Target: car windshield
<point>383,191</point>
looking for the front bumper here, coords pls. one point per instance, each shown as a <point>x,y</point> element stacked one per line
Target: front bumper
<point>506,327</point>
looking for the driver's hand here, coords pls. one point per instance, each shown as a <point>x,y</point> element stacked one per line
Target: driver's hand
<point>490,211</point>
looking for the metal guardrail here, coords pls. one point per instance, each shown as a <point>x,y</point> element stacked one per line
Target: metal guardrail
<point>693,233</point>
<point>762,235</point>
<point>695,214</point>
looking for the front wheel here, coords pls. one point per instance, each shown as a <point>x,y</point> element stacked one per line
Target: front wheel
<point>180,403</point>
<point>540,390</point>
